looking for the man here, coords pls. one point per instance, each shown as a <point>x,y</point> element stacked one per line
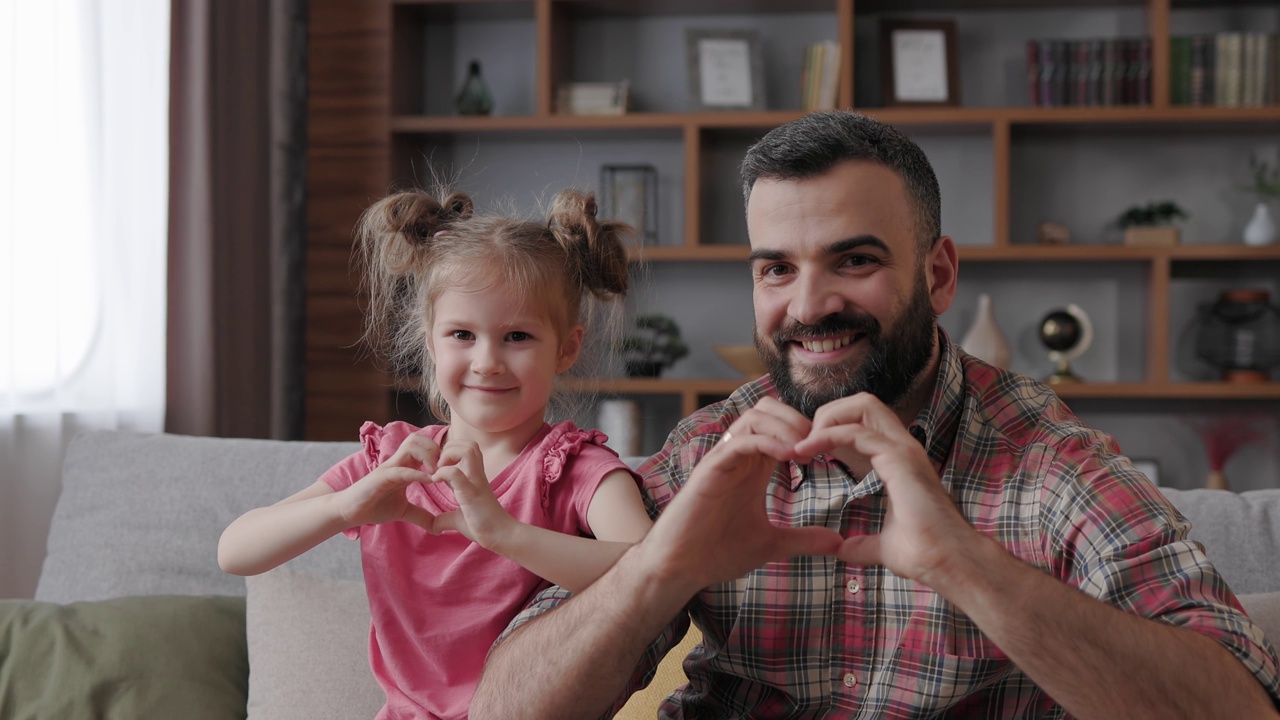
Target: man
<point>885,526</point>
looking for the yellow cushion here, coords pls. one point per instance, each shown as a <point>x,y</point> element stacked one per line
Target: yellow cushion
<point>644,704</point>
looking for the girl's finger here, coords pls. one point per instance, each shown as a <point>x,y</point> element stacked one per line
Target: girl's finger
<point>418,450</point>
<point>403,475</point>
<point>457,480</point>
<point>464,454</point>
<point>421,517</point>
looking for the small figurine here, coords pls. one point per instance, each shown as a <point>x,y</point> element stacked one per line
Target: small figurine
<point>474,98</point>
<point>1052,233</point>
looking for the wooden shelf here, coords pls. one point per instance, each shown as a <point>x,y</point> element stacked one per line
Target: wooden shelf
<point>1146,116</point>
<point>370,86</point>
<point>1172,390</point>
<point>1141,390</point>
<point>1009,253</point>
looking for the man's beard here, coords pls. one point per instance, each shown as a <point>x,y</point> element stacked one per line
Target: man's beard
<point>892,363</point>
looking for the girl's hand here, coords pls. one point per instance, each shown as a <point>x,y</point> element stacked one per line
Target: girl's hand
<point>380,497</point>
<point>480,518</point>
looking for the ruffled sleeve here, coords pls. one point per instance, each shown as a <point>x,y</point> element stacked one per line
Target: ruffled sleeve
<point>564,442</point>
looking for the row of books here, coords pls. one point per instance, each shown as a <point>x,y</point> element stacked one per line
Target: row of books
<point>821,76</point>
<point>1227,69</point>
<point>1091,72</point>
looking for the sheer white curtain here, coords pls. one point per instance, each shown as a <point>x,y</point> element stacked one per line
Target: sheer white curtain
<point>84,89</point>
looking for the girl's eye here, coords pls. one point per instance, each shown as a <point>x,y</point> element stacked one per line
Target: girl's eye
<point>461,334</point>
<point>519,336</point>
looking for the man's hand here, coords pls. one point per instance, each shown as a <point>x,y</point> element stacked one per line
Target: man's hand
<point>922,526</point>
<point>717,528</point>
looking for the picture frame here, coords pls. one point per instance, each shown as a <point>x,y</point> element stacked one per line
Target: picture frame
<point>726,70</point>
<point>1149,467</point>
<point>629,193</point>
<point>918,63</point>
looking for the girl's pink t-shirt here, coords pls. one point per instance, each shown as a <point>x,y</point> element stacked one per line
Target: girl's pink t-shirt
<point>439,601</point>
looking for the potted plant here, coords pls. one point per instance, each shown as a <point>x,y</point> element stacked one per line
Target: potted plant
<point>1152,224</point>
<point>655,346</point>
<point>1261,229</point>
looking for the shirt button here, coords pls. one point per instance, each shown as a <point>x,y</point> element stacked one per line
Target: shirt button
<point>820,457</point>
<point>850,680</point>
<point>853,586</point>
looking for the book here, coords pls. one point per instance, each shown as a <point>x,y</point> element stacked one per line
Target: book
<point>1033,73</point>
<point>1248,69</point>
<point>1142,71</point>
<point>1093,95</point>
<point>1112,70</point>
<point>829,84</point>
<point>1180,70</point>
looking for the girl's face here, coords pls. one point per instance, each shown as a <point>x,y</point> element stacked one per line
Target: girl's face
<point>496,356</point>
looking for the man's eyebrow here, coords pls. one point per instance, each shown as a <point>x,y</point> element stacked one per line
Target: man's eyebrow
<point>835,248</point>
<point>853,243</point>
<point>766,254</point>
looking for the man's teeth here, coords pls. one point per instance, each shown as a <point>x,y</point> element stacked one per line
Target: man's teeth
<point>826,345</point>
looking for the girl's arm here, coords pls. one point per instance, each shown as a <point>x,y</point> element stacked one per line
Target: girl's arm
<point>263,538</point>
<point>618,519</point>
<point>616,515</point>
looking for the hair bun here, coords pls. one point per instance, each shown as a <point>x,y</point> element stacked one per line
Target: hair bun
<point>597,247</point>
<point>417,216</point>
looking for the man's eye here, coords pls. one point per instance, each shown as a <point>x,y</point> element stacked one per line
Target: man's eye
<point>774,270</point>
<point>858,260</point>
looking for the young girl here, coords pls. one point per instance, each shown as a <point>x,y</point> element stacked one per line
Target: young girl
<point>491,310</point>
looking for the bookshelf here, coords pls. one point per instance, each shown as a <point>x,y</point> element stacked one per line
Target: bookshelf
<point>384,72</point>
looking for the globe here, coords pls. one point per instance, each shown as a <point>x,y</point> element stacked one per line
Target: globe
<point>1060,331</point>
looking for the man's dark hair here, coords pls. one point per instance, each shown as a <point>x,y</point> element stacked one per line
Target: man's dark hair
<point>815,143</point>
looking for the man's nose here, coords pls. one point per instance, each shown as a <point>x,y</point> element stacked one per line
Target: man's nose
<point>814,298</point>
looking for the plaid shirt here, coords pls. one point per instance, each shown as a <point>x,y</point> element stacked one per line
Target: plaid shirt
<point>813,637</point>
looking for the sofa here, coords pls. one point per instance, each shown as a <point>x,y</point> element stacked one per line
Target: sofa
<point>133,619</point>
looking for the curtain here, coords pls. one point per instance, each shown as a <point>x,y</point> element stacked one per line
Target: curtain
<point>83,185</point>
<point>237,218</point>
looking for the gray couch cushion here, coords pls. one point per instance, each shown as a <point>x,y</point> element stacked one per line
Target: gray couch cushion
<point>1240,533</point>
<point>140,514</point>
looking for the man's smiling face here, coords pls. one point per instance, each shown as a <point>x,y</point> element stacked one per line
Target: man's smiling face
<point>842,302</point>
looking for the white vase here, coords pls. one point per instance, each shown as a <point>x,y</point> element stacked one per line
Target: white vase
<point>620,421</point>
<point>1261,229</point>
<point>985,340</point>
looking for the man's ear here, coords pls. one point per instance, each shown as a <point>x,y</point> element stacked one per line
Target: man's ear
<point>941,268</point>
<point>570,348</point>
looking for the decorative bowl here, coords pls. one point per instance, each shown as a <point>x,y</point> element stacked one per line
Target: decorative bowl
<point>742,358</point>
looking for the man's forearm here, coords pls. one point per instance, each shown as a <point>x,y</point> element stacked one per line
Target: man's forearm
<point>1094,659</point>
<point>573,662</point>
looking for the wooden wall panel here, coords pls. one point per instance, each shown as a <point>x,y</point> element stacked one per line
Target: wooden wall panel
<point>347,168</point>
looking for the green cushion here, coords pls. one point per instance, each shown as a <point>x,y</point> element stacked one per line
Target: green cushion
<point>159,656</point>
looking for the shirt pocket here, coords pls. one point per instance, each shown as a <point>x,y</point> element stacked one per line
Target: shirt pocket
<point>772,628</point>
<point>943,658</point>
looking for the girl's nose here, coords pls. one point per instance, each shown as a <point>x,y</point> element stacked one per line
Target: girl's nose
<point>486,360</point>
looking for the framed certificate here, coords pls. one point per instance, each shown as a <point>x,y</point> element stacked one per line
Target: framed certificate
<point>918,61</point>
<point>725,70</point>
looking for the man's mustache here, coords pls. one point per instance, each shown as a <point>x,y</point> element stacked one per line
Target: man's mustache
<point>834,324</point>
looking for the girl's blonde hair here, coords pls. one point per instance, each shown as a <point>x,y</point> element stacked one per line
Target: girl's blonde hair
<point>412,248</point>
